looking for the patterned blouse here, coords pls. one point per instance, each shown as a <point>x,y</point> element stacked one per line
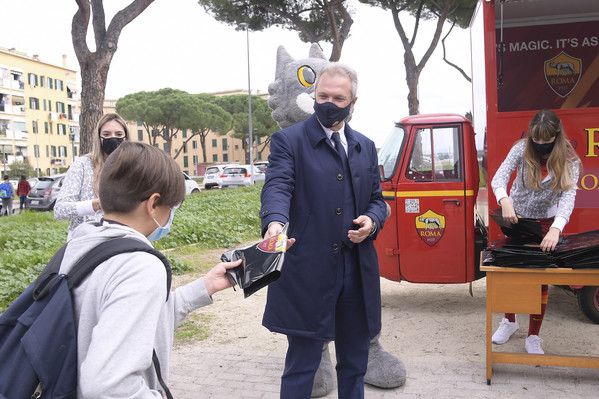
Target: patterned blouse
<point>75,199</point>
<point>529,203</point>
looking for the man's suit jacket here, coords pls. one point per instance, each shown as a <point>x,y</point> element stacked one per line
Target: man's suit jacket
<point>302,187</point>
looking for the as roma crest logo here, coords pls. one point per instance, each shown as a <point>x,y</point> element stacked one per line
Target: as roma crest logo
<point>430,227</point>
<point>562,73</point>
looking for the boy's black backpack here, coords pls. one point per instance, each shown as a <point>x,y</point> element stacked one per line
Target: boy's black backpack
<point>38,335</point>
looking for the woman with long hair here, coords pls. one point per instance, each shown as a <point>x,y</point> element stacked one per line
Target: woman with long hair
<point>547,169</point>
<point>78,199</point>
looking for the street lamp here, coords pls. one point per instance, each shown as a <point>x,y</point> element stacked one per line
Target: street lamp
<point>247,33</point>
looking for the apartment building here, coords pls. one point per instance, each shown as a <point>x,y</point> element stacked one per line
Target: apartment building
<point>39,112</point>
<point>187,150</point>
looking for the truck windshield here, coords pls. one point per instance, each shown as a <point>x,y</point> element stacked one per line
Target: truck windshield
<point>389,153</point>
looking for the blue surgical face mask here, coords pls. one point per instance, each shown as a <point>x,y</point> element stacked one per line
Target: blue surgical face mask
<point>162,231</point>
<point>331,115</point>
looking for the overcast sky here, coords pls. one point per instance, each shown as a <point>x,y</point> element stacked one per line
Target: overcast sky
<point>174,43</point>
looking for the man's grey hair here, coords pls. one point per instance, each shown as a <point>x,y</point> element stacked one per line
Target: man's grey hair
<point>337,68</point>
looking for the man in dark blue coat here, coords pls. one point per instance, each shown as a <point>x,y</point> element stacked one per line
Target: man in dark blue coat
<point>323,179</point>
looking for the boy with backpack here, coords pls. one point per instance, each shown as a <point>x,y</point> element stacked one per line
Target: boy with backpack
<point>6,193</point>
<point>124,314</point>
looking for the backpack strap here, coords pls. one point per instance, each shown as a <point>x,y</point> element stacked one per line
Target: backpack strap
<point>91,260</point>
<point>107,250</point>
<point>167,391</point>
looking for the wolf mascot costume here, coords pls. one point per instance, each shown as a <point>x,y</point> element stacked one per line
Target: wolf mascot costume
<point>291,100</point>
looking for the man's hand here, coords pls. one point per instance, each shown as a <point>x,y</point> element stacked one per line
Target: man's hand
<point>217,279</point>
<point>366,223</point>
<point>550,240</point>
<point>275,228</point>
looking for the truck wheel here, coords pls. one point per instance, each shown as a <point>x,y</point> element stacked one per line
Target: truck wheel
<point>588,302</point>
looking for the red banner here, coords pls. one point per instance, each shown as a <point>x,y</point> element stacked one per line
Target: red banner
<point>550,66</point>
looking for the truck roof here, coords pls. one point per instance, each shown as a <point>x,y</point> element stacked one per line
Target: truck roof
<point>432,118</point>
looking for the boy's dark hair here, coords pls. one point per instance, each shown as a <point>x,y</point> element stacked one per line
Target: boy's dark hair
<point>7,178</point>
<point>135,171</point>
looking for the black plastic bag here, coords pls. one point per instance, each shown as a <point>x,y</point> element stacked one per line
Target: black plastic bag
<point>262,263</point>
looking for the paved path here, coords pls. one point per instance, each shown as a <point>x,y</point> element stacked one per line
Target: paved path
<point>437,330</point>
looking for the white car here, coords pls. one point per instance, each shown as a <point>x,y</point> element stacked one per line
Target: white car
<point>191,186</point>
<point>212,175</point>
<point>239,175</point>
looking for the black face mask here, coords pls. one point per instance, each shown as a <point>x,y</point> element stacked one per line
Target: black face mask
<point>329,114</point>
<point>543,149</point>
<point>111,144</point>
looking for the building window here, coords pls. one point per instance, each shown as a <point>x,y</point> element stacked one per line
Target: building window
<point>62,151</point>
<point>51,130</point>
<point>139,123</point>
<point>45,105</point>
<point>184,148</point>
<point>34,103</point>
<point>50,105</point>
<point>32,79</point>
<point>36,150</point>
<point>53,151</point>
<point>140,135</point>
<point>50,83</point>
<point>214,143</point>
<point>225,157</point>
<point>185,162</point>
<point>61,129</point>
<point>165,147</point>
<point>224,144</point>
<point>42,81</point>
<point>59,85</point>
<point>46,130</point>
<point>184,133</point>
<point>47,151</point>
<point>194,144</point>
<point>60,108</point>
<point>34,126</point>
<point>195,159</point>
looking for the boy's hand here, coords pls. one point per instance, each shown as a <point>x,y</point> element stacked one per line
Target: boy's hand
<point>217,279</point>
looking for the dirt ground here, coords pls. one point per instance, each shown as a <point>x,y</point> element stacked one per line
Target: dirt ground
<point>418,320</point>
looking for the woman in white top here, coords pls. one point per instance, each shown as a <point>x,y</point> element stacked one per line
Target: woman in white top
<point>547,170</point>
<point>78,199</point>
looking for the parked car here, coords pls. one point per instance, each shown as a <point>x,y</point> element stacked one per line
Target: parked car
<point>43,195</point>
<point>191,186</point>
<point>212,175</point>
<point>262,165</point>
<point>239,175</point>
<point>32,181</point>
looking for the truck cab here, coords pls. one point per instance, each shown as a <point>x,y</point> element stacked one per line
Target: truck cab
<point>430,179</point>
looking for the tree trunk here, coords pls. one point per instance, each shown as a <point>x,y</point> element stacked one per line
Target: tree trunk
<point>412,78</point>
<point>95,65</point>
<point>92,101</point>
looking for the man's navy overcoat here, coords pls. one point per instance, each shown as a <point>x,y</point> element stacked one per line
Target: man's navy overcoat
<point>303,187</point>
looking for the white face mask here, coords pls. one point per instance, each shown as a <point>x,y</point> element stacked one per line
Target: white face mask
<point>162,231</point>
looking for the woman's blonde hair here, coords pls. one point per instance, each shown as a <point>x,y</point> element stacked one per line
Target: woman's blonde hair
<point>98,156</point>
<point>545,125</point>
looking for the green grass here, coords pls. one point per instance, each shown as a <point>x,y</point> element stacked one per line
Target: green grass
<point>208,220</point>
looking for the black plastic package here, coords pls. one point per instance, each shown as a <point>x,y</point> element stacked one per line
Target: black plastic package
<point>262,263</point>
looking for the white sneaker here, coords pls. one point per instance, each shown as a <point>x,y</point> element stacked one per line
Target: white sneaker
<point>533,345</point>
<point>505,331</point>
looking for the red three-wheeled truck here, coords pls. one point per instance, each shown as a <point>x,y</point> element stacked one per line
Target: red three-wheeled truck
<point>436,169</point>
